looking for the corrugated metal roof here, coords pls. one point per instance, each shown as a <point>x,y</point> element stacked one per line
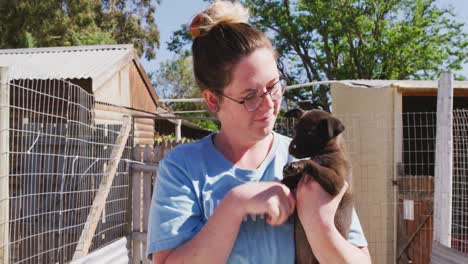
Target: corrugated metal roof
<point>79,62</point>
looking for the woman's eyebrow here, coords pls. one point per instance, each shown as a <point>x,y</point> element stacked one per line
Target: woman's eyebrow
<point>248,91</point>
<point>269,84</point>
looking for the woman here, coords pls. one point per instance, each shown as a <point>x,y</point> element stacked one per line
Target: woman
<point>219,199</point>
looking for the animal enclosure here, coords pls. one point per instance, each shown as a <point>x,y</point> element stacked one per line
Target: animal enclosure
<point>397,212</point>
<point>57,160</point>
<point>391,129</point>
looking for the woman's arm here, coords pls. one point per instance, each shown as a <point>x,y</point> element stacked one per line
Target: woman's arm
<point>317,217</point>
<point>214,242</point>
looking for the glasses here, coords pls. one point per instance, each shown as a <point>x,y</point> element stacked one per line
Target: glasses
<point>252,101</point>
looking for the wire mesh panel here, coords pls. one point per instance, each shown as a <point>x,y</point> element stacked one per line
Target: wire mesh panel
<point>38,122</point>
<point>419,137</point>
<point>416,187</point>
<point>460,181</point>
<point>58,156</point>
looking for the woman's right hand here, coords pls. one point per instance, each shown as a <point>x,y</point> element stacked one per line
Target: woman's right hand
<point>271,198</point>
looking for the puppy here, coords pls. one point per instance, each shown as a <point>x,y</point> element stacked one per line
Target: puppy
<point>318,137</point>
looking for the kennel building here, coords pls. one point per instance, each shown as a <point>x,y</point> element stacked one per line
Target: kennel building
<point>65,118</point>
<point>390,135</point>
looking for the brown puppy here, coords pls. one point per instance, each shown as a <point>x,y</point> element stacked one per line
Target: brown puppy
<point>318,138</point>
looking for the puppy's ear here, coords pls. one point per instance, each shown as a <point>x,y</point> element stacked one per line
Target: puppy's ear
<point>296,113</point>
<point>331,127</point>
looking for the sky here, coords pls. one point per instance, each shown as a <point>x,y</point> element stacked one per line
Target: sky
<point>171,14</point>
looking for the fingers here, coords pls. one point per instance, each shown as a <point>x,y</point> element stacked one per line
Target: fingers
<point>281,207</point>
<point>306,179</point>
<point>274,213</point>
<point>291,198</point>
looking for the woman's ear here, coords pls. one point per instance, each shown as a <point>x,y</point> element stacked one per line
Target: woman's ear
<point>211,100</point>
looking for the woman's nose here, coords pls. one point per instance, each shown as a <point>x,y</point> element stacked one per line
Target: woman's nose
<point>267,101</point>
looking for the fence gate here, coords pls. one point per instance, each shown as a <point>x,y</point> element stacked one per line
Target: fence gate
<point>68,176</point>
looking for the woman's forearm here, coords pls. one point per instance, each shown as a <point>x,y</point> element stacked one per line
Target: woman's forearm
<point>214,242</point>
<point>330,247</point>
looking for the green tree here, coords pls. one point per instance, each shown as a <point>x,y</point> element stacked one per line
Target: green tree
<point>174,79</point>
<point>48,23</point>
<point>356,39</point>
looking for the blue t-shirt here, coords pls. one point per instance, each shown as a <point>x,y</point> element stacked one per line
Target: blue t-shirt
<point>192,180</point>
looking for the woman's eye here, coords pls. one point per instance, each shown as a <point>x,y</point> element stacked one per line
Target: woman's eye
<point>250,96</point>
<point>273,86</point>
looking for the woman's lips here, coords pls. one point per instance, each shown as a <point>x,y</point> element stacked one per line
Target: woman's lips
<point>264,118</point>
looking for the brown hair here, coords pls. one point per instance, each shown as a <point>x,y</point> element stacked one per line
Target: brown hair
<point>222,37</point>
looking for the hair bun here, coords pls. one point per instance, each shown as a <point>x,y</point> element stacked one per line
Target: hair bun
<point>217,13</point>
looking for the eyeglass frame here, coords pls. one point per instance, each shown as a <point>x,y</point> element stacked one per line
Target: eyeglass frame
<point>262,96</point>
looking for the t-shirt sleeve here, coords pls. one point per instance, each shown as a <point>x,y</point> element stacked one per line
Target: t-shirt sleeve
<point>175,215</point>
<point>356,234</point>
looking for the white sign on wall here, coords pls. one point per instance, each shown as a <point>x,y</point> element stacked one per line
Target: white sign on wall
<point>408,209</point>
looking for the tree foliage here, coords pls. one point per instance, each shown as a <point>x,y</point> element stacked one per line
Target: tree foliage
<point>174,79</point>
<point>356,39</point>
<point>49,23</point>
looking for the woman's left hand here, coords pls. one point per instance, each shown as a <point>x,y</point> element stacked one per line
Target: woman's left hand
<point>315,205</point>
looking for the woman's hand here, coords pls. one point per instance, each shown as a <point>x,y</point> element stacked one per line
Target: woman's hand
<point>258,198</point>
<point>315,204</point>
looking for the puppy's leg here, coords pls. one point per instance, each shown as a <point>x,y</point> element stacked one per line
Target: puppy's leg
<point>292,173</point>
<point>326,177</point>
<point>292,181</point>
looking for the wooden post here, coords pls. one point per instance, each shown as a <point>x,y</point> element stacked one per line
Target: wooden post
<point>4,164</point>
<point>137,244</point>
<point>148,158</point>
<point>443,161</point>
<point>178,130</point>
<point>397,160</point>
<point>99,202</point>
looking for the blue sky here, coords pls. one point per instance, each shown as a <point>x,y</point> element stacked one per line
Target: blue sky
<point>171,14</point>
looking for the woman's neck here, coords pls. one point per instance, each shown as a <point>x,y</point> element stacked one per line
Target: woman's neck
<point>243,154</point>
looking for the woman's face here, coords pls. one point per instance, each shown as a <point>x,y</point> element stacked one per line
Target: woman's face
<point>255,73</point>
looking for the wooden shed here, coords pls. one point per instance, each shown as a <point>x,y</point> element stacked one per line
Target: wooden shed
<point>390,133</point>
<point>112,73</point>
<point>67,130</point>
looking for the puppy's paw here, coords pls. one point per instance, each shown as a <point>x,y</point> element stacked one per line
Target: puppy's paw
<point>292,169</point>
<point>292,181</point>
